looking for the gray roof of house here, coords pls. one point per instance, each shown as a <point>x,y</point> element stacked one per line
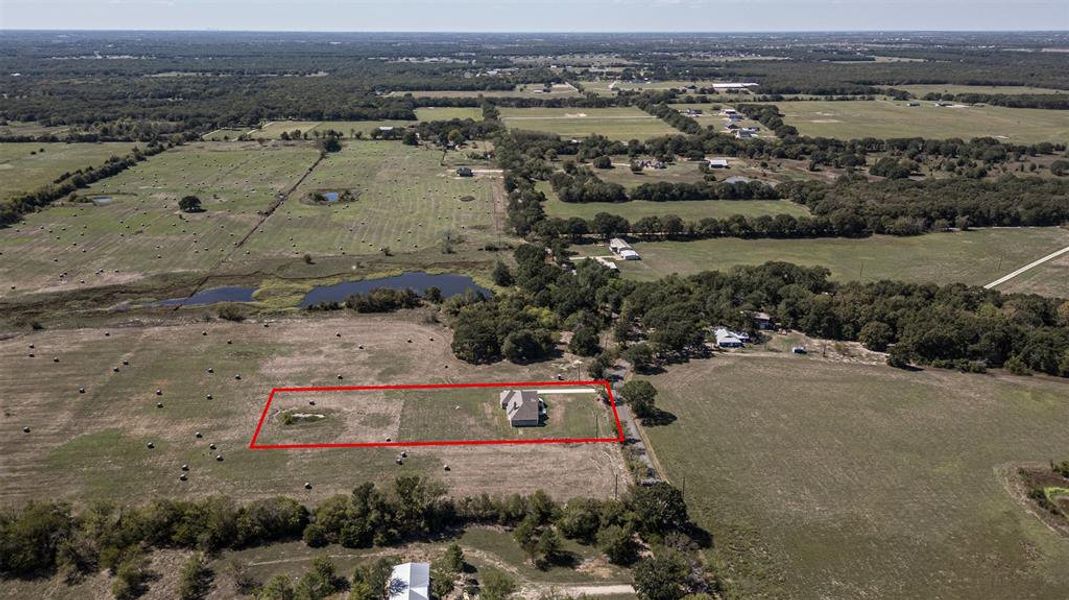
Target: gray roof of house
<point>522,405</point>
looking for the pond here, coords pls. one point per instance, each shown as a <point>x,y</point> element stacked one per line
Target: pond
<point>213,295</point>
<point>101,200</point>
<point>331,196</point>
<point>450,284</point>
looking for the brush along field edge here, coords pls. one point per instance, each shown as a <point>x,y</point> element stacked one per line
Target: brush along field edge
<point>619,437</point>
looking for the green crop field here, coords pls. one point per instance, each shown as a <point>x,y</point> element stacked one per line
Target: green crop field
<point>618,123</point>
<point>832,480</point>
<point>973,257</point>
<point>406,201</point>
<point>941,88</point>
<point>24,167</point>
<point>94,445</point>
<point>140,231</point>
<point>885,119</point>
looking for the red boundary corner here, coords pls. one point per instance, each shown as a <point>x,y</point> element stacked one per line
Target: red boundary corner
<point>253,445</point>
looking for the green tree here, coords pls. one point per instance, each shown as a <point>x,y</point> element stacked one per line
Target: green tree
<point>526,536</point>
<point>661,577</point>
<point>278,588</point>
<point>322,581</point>
<point>131,578</point>
<point>602,162</point>
<point>640,356</point>
<point>584,341</point>
<point>618,544</point>
<point>496,585</point>
<point>195,578</point>
<point>640,395</point>
<point>548,548</point>
<point>502,275</point>
<point>876,335</point>
<point>190,204</point>
<point>453,560</point>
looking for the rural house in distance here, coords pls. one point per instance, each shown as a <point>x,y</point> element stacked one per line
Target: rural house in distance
<point>523,407</point>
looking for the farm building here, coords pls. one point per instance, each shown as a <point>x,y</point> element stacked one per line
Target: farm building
<point>465,172</point>
<point>718,163</point>
<point>622,249</point>
<point>523,407</point>
<point>727,339</point>
<point>745,134</point>
<point>410,581</point>
<point>763,320</point>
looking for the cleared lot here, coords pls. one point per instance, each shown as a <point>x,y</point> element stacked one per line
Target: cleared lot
<point>619,123</point>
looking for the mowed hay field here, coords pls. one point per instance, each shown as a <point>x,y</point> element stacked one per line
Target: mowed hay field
<point>141,231</point>
<point>973,257</point>
<point>83,447</point>
<point>406,201</point>
<point>25,167</point>
<point>886,119</point>
<point>618,123</point>
<point>445,113</point>
<point>1049,279</point>
<point>920,89</point>
<point>363,416</point>
<point>831,480</point>
<point>688,210</point>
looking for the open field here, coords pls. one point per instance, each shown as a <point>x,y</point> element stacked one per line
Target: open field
<point>340,417</point>
<point>31,128</point>
<point>972,257</point>
<point>920,89</point>
<point>607,87</point>
<point>275,129</point>
<point>405,201</point>
<point>560,90</point>
<point>618,123</point>
<point>1049,279</point>
<point>445,113</point>
<point>94,445</point>
<point>21,171</point>
<point>831,480</point>
<point>778,170</point>
<point>885,119</point>
<point>140,231</point>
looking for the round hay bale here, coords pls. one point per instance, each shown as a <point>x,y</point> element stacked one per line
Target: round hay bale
<point>159,392</point>
<point>219,457</point>
<point>229,342</point>
<point>126,363</point>
<point>307,485</point>
<point>115,369</point>
<point>238,376</point>
<point>212,446</point>
<point>159,405</point>
<point>185,467</point>
<point>31,355</point>
<point>445,467</point>
<point>25,430</point>
<point>209,397</point>
<point>182,477</point>
<point>211,370</point>
<point>339,377</point>
<point>198,435</point>
<point>55,359</point>
<point>81,390</point>
<point>151,445</point>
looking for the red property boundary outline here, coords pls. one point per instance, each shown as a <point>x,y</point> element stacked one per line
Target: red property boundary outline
<point>253,445</point>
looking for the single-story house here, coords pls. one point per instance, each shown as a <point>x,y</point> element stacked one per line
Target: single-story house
<point>763,320</point>
<point>745,134</point>
<point>629,254</point>
<point>523,407</point>
<point>718,163</point>
<point>385,128</point>
<point>727,339</point>
<point>465,172</point>
<point>410,581</point>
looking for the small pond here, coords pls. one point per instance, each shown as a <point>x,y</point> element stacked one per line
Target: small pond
<point>450,284</point>
<point>101,200</point>
<point>331,196</point>
<point>213,295</point>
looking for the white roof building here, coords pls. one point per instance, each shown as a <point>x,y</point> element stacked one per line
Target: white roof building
<point>727,339</point>
<point>629,254</point>
<point>718,163</point>
<point>410,581</point>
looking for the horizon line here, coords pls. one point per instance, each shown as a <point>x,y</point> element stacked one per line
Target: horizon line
<point>532,31</point>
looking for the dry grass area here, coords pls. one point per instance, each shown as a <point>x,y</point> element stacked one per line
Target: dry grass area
<point>822,479</point>
<point>94,445</point>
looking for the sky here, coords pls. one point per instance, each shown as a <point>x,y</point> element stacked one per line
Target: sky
<point>538,15</point>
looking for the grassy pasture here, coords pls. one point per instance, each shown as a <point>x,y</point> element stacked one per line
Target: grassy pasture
<point>21,171</point>
<point>424,415</point>
<point>885,119</point>
<point>833,480</point>
<point>90,446</point>
<point>406,201</point>
<point>560,90</point>
<point>620,123</point>
<point>445,113</point>
<point>141,231</point>
<point>973,257</point>
<point>31,128</point>
<point>920,89</point>
<point>1049,279</point>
